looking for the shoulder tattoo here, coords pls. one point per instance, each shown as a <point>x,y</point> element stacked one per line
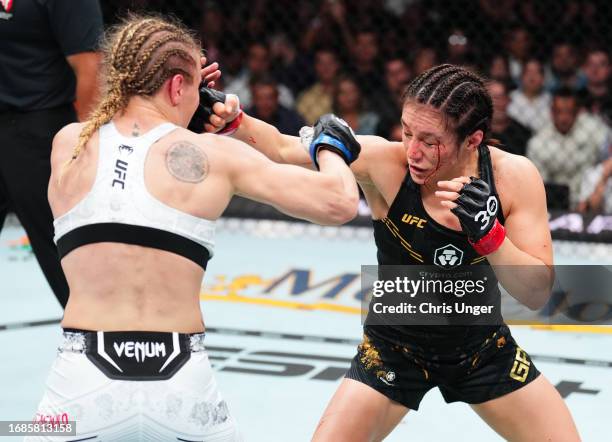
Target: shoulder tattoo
<point>187,162</point>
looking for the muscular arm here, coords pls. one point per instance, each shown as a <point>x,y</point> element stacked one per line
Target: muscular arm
<point>523,263</point>
<point>85,66</point>
<point>269,141</point>
<point>326,197</point>
<point>287,149</point>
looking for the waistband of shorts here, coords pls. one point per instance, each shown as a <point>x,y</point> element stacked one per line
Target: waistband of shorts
<point>80,341</point>
<point>434,339</point>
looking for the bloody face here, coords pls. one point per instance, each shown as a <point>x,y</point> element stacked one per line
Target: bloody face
<point>431,149</point>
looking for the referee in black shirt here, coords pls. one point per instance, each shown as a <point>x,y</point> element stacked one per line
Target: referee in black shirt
<point>47,60</point>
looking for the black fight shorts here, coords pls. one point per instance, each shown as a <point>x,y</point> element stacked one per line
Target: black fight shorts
<point>480,371</point>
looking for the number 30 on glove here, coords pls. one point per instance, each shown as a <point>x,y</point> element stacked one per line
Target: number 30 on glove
<point>477,212</point>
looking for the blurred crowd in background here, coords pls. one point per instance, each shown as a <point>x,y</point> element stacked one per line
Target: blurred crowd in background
<point>548,61</point>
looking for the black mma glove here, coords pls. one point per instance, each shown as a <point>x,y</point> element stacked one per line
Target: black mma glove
<point>332,133</point>
<point>208,97</point>
<point>477,212</point>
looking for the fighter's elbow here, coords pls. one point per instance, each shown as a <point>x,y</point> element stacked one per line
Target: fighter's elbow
<point>341,210</point>
<point>536,298</point>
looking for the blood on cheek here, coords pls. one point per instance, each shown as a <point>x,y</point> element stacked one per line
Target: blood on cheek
<point>437,160</point>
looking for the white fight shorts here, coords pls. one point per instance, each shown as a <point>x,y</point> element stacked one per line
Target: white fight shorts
<point>135,386</point>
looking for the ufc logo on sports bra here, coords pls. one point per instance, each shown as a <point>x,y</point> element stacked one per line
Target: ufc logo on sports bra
<point>411,219</point>
<point>140,350</point>
<point>120,171</point>
<point>484,216</point>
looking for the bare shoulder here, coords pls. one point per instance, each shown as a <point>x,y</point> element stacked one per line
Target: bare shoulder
<point>64,142</point>
<point>517,179</point>
<point>378,155</point>
<point>510,167</point>
<point>192,157</point>
<point>69,132</point>
<point>378,147</point>
<point>67,135</point>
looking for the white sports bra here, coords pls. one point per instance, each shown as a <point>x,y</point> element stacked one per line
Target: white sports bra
<point>120,209</point>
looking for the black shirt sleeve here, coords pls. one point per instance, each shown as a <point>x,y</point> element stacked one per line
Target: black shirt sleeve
<point>76,24</point>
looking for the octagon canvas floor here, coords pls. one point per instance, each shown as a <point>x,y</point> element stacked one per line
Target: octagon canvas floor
<point>283,323</point>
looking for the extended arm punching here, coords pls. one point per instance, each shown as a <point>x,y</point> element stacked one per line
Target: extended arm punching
<point>218,112</point>
<point>327,197</point>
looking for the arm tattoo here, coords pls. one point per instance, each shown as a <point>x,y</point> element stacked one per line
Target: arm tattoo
<point>187,162</point>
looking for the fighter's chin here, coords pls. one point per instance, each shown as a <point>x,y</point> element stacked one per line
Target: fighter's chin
<point>418,174</point>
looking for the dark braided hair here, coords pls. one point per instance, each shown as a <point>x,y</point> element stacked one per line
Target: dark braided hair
<point>459,94</point>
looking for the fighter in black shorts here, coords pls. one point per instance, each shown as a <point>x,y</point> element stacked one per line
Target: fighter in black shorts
<point>471,364</point>
<point>427,211</point>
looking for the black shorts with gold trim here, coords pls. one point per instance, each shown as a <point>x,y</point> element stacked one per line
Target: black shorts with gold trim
<point>473,373</point>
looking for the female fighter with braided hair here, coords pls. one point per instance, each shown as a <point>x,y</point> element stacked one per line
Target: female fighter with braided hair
<point>135,196</point>
<point>473,204</point>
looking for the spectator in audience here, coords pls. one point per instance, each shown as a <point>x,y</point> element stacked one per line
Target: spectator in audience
<point>291,67</point>
<point>365,65</point>
<point>563,150</point>
<point>348,104</point>
<point>518,45</point>
<point>212,31</point>
<point>424,58</point>
<point>266,106</point>
<point>498,69</point>
<point>258,64</point>
<point>488,17</point>
<point>388,103</point>
<point>530,104</point>
<point>317,100</point>
<point>563,71</point>
<point>328,26</point>
<point>397,77</point>
<point>596,97</point>
<point>512,134</point>
<point>596,187</point>
<point>458,47</point>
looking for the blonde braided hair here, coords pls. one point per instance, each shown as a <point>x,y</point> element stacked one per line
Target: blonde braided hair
<point>140,54</point>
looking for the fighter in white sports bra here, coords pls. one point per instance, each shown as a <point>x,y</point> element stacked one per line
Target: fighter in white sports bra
<point>135,195</point>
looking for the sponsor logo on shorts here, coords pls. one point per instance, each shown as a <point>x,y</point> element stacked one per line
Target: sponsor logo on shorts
<point>140,350</point>
<point>520,368</point>
<point>139,355</point>
<point>448,256</point>
<point>54,419</point>
<point>388,378</point>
